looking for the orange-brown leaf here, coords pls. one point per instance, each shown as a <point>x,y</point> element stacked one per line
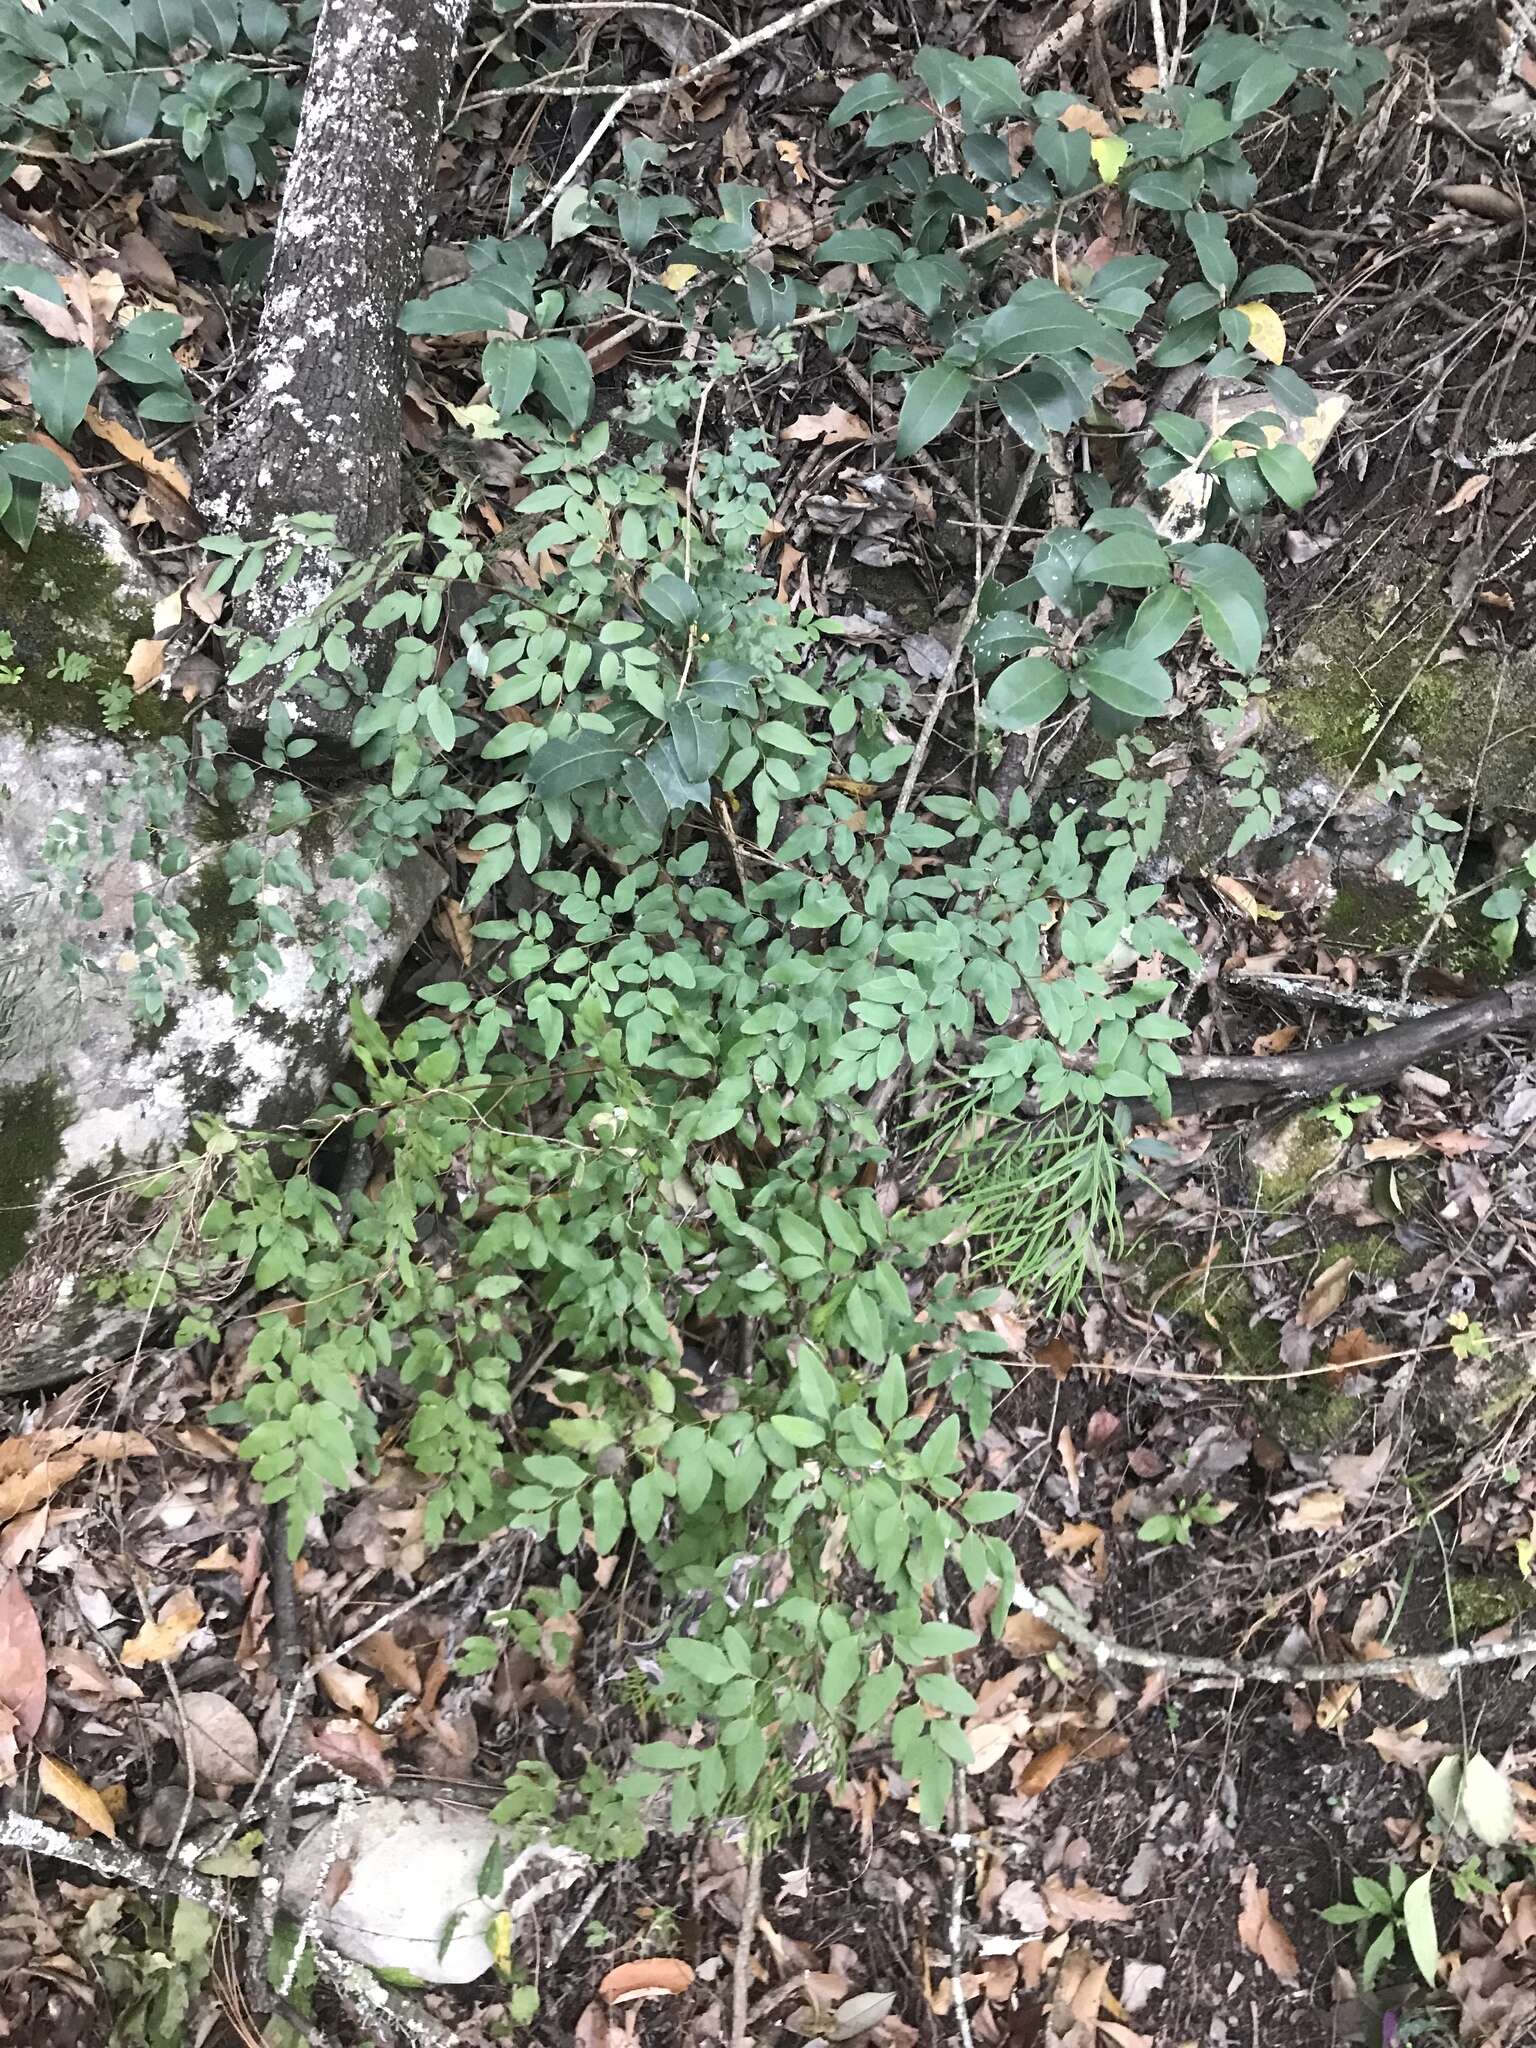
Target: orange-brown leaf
<point>73,1793</point>
<point>1261,1933</point>
<point>650,1977</point>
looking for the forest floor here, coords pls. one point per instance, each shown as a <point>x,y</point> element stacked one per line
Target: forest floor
<point>1311,1380</point>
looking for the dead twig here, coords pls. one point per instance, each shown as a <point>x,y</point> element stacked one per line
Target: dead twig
<point>1057,1611</point>
<point>293,1686</point>
<point>373,2006</point>
<point>1216,1081</point>
<point>947,680</point>
<point>741,1962</point>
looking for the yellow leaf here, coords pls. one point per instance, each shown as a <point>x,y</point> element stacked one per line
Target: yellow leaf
<point>164,1638</point>
<point>1111,154</point>
<point>73,1793</point>
<point>1266,330</point>
<point>146,659</point>
<point>128,444</point>
<point>676,275</point>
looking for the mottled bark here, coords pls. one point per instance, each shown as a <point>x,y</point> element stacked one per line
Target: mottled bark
<point>319,431</point>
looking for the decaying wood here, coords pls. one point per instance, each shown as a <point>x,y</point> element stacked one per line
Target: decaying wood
<point>320,429</point>
<point>1215,1083</point>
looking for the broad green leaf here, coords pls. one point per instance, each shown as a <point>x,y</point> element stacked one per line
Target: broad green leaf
<point>1288,473</point>
<point>1128,680</point>
<point>672,600</point>
<point>845,1664</point>
<point>933,398</point>
<point>1266,80</point>
<point>26,462</point>
<point>561,766</point>
<point>1419,1924</point>
<point>1132,560</point>
<point>563,375</point>
<point>508,367</point>
<point>62,382</point>
<point>936,1639</point>
<point>1213,252</point>
<point>1231,625</point>
<point>1037,403</point>
<point>1026,692</point>
<point>868,96</point>
<point>898,125</point>
<point>1161,620</point>
<point>706,1661</point>
<point>859,245</point>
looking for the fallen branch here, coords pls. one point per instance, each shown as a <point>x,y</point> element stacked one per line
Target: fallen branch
<point>1057,1611</point>
<point>374,2006</point>
<point>1212,1082</point>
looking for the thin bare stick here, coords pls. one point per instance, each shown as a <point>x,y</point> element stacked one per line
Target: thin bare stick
<point>288,1669</point>
<point>647,88</point>
<point>947,680</point>
<point>741,1962</point>
<point>1054,1608</point>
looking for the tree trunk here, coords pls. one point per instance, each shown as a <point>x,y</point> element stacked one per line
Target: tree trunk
<point>320,429</point>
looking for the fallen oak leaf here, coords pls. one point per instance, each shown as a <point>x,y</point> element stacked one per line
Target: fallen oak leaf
<point>76,1796</point>
<point>1261,1933</point>
<point>1407,1747</point>
<point>223,1744</point>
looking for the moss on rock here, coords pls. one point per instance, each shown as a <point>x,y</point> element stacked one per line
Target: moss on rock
<point>66,594</point>
<point>1483,1600</point>
<point>1357,661</point>
<point>33,1119</point>
<point>1292,1158</point>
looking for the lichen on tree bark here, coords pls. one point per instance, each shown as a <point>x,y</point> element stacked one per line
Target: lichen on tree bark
<point>319,431</point>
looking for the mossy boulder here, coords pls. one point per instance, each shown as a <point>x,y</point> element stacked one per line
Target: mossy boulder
<point>93,1085</point>
<point>1291,1158</point>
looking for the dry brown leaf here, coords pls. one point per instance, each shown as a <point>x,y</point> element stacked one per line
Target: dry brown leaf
<point>350,1691</point>
<point>138,255</point>
<point>1319,1509</point>
<point>359,1751</point>
<point>1391,1148</point>
<point>1069,1905</point>
<point>1143,79</point>
<point>33,1468</point>
<point>132,449</point>
<point>1354,1347</point>
<point>162,1640</point>
<point>396,1663</point>
<point>23,1660</point>
<point>1043,1770</point>
<point>650,1977</point>
<point>1239,893</point>
<point>1261,1933</point>
<point>1326,1293</point>
<point>837,423</point>
<point>1281,1039</point>
<point>223,1743</point>
<point>73,1793</point>
<point>454,924</point>
<point>59,323</point>
<point>1457,1144</point>
<point>1081,115</point>
<point>1358,1477</point>
<point>991,1740</point>
<point>1407,1746</point>
<point>1027,1636</point>
<point>1071,1538</point>
<point>146,660</point>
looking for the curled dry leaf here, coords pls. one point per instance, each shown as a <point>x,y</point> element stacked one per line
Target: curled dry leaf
<point>1319,1509</point>
<point>1043,1770</point>
<point>1261,1933</point>
<point>33,1468</point>
<point>1068,1905</point>
<point>139,453</point>
<point>74,1794</point>
<point>223,1743</point>
<point>651,1977</point>
<point>1407,1746</point>
<point>1326,1293</point>
<point>23,1660</point>
<point>162,1640</point>
<point>351,1747</point>
<point>833,425</point>
<point>146,660</point>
